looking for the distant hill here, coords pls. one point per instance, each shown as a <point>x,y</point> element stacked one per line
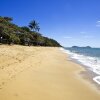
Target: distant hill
<point>81,47</point>
<point>11,33</point>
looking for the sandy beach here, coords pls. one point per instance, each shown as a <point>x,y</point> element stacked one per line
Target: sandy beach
<point>41,73</point>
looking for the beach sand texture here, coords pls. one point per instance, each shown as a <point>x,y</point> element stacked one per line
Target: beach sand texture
<point>41,73</point>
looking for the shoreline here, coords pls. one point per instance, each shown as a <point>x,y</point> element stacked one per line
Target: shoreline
<point>88,74</point>
<point>42,73</point>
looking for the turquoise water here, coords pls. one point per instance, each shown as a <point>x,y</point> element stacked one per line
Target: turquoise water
<point>90,57</point>
<point>92,52</point>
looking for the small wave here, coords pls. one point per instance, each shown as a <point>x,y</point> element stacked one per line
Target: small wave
<point>96,70</point>
<point>92,63</point>
<point>97,79</point>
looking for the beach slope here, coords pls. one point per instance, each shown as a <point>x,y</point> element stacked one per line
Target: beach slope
<point>41,73</point>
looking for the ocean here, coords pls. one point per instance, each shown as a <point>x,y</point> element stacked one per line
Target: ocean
<point>87,56</point>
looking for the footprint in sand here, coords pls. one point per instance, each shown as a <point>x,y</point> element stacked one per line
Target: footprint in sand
<point>3,83</point>
<point>2,67</point>
<point>16,95</point>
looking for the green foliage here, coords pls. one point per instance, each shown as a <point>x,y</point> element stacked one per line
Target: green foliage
<point>25,28</point>
<point>14,39</point>
<point>33,25</point>
<point>11,33</point>
<point>8,19</point>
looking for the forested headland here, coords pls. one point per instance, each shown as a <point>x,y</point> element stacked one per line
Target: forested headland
<point>11,33</point>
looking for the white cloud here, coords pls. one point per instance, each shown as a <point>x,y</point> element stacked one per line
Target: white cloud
<point>87,36</point>
<point>98,23</point>
<point>83,32</point>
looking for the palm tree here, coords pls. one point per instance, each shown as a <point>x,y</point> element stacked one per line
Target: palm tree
<point>34,26</point>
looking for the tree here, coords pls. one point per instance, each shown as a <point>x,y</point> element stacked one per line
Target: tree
<point>12,33</point>
<point>8,19</point>
<point>25,28</point>
<point>34,26</point>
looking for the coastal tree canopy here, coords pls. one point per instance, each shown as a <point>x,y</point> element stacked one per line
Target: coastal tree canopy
<point>26,35</point>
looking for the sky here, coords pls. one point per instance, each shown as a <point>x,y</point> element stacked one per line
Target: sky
<point>70,22</point>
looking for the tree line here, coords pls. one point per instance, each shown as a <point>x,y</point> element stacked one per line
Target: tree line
<point>11,33</point>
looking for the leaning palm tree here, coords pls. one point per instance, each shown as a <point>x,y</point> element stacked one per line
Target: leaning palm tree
<point>37,28</point>
<point>34,26</point>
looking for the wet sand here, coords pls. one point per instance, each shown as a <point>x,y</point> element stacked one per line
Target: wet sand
<point>41,73</point>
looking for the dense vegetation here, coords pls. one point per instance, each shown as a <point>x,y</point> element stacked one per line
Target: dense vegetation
<point>26,35</point>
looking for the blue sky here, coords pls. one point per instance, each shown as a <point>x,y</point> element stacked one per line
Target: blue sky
<point>70,22</point>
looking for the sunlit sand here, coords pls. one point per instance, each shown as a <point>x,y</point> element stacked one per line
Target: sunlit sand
<point>41,73</point>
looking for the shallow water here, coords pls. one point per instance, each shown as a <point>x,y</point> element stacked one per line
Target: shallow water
<point>90,57</point>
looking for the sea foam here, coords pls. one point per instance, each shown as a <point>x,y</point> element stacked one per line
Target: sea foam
<point>92,63</point>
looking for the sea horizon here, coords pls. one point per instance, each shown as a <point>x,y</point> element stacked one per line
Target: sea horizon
<point>80,46</point>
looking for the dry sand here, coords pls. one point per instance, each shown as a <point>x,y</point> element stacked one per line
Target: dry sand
<point>41,73</point>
